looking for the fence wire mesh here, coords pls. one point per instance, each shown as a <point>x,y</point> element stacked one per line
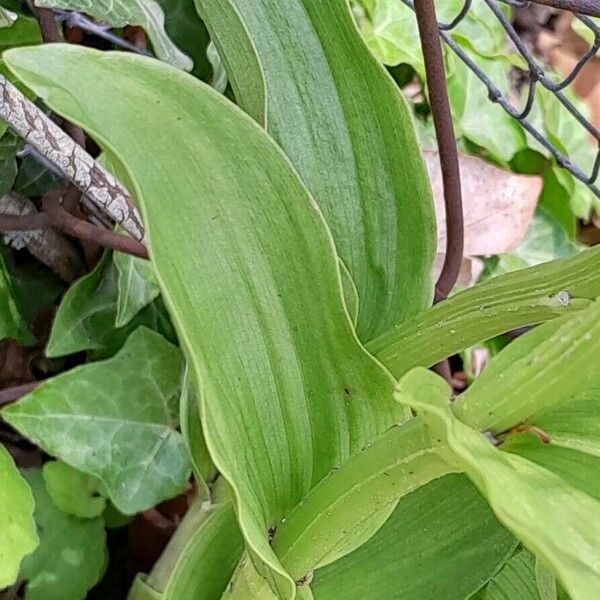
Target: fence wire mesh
<point>536,76</point>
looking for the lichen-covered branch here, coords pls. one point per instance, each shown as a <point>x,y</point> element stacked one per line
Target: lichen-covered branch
<point>76,165</point>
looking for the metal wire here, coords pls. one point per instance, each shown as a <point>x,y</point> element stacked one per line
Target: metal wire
<point>537,76</point>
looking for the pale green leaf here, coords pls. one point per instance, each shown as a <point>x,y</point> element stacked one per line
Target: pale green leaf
<point>573,451</point>
<point>564,131</point>
<point>542,369</point>
<point>114,420</point>
<point>201,556</point>
<point>7,17</point>
<point>71,557</point>
<point>545,240</point>
<point>72,491</point>
<point>442,541</point>
<point>475,117</point>
<point>249,320</point>
<point>118,13</point>
<point>191,430</point>
<point>506,302</point>
<point>300,68</point>
<point>136,286</point>
<point>18,536</point>
<point>524,496</point>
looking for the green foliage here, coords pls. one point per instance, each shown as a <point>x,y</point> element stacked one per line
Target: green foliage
<point>285,233</point>
<point>352,141</point>
<point>94,304</point>
<point>489,309</point>
<point>7,18</point>
<point>442,529</point>
<point>72,491</point>
<point>115,420</point>
<point>147,14</point>
<point>136,287</point>
<point>521,577</point>
<point>71,556</point>
<point>18,536</point>
<point>12,322</point>
<point>524,496</point>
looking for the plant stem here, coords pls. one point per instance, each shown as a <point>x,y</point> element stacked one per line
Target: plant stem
<point>444,130</point>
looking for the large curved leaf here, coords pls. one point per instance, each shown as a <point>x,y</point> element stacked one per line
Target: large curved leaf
<point>300,68</point>
<point>248,268</point>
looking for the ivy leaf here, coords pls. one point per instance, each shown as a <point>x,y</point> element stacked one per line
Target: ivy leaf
<point>87,314</point>
<point>187,30</point>
<point>136,286</point>
<point>71,557</point>
<point>118,13</point>
<point>7,17</point>
<point>12,322</point>
<point>114,420</point>
<point>72,491</point>
<point>545,240</point>
<point>17,528</point>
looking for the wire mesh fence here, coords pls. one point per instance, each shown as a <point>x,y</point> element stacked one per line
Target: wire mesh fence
<point>536,76</point>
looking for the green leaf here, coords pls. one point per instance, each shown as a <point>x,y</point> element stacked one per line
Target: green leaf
<point>136,286</point>
<point>249,322</point>
<point>118,13</point>
<point>566,133</point>
<point>536,372</point>
<point>506,302</point>
<point>17,528</point>
<point>201,556</point>
<point>88,312</point>
<point>524,496</point>
<point>71,557</point>
<point>72,491</point>
<point>546,240</point>
<point>573,451</point>
<point>12,322</point>
<point>34,178</point>
<point>186,29</point>
<point>191,430</point>
<point>7,18</point>
<point>300,68</point>
<point>114,420</point>
<point>516,580</point>
<point>443,529</point>
<point>475,117</point>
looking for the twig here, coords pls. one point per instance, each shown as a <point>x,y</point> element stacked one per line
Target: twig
<point>75,164</point>
<point>591,8</point>
<point>55,216</point>
<point>12,394</point>
<point>75,19</point>
<point>33,232</point>
<point>45,17</point>
<point>442,119</point>
<point>67,223</point>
